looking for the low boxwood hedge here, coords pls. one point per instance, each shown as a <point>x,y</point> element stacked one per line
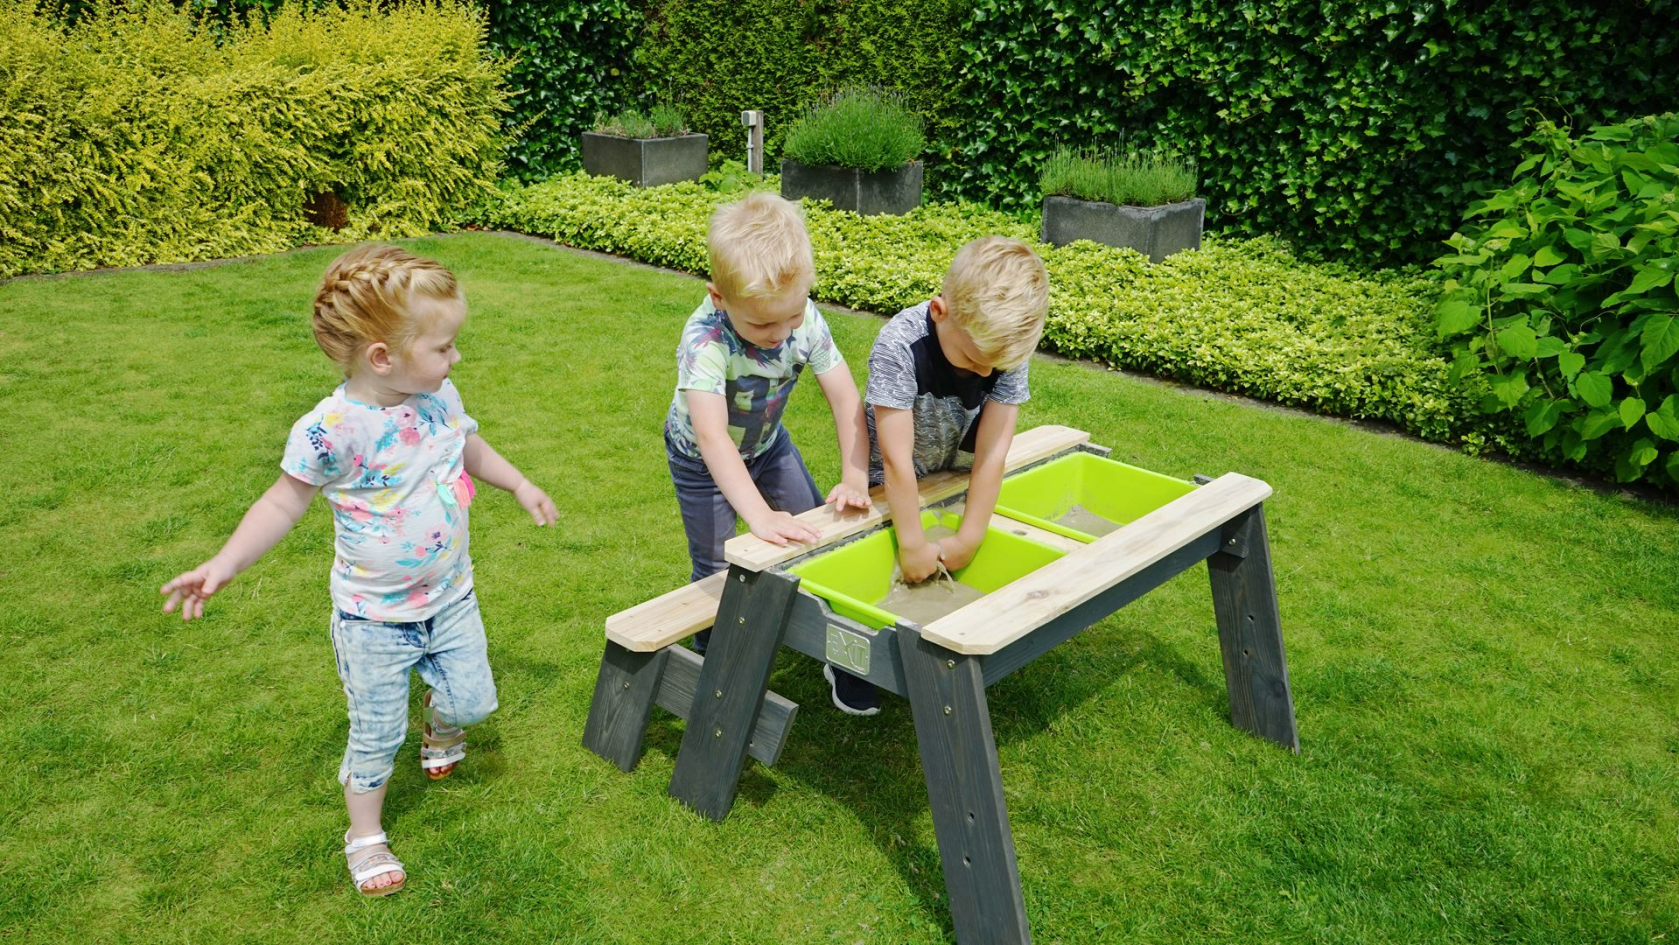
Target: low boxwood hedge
<point>1246,317</point>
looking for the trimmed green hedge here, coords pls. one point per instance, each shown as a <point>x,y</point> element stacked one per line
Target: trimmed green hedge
<point>132,137</point>
<point>570,60</point>
<point>719,57</point>
<point>1245,317</point>
<point>1346,126</point>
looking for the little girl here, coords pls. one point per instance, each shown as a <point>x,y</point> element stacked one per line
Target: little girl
<point>396,455</point>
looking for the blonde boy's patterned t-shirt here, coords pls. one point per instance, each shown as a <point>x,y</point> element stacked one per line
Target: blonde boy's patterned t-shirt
<point>755,382</point>
<point>395,479</point>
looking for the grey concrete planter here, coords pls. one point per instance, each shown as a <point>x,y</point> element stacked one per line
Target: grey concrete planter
<point>645,162</point>
<point>866,192</point>
<point>1156,232</point>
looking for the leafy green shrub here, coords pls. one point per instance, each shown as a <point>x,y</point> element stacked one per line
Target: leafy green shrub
<point>782,56</point>
<point>1561,296</point>
<point>569,60</point>
<point>731,177</point>
<point>1133,178</point>
<point>133,137</point>
<point>1357,126</point>
<point>1246,317</point>
<point>220,14</point>
<point>868,129</point>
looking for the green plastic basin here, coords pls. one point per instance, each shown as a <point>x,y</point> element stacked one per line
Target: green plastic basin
<point>855,577</point>
<point>1113,490</point>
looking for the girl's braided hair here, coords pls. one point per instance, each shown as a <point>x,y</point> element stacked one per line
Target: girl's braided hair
<point>367,296</point>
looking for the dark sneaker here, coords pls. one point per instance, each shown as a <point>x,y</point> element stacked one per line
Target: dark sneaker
<point>852,696</point>
<point>702,640</point>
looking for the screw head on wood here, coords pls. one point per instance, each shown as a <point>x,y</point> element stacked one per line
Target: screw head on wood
<point>717,734</point>
<point>950,663</point>
<point>1231,541</point>
<point>626,685</point>
<point>947,710</point>
<point>741,578</point>
<point>719,693</point>
<point>740,620</point>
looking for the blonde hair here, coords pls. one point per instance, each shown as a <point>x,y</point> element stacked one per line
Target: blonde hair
<point>997,291</point>
<point>367,296</point>
<point>759,248</point>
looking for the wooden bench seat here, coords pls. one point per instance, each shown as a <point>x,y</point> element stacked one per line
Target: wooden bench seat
<point>668,618</point>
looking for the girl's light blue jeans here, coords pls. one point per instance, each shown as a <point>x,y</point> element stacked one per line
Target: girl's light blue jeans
<point>374,658</point>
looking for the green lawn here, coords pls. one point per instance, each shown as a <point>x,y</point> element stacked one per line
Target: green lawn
<point>1483,664</point>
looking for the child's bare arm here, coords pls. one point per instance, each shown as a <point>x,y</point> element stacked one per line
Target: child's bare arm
<point>268,520</point>
<point>709,414</point>
<point>853,432</point>
<point>483,462</point>
<point>991,452</point>
<point>895,430</point>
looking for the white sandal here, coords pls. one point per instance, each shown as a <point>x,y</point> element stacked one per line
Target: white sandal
<point>372,865</point>
<point>441,746</point>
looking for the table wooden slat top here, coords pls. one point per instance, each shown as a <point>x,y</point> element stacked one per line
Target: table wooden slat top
<point>1029,446</point>
<point>1015,610</point>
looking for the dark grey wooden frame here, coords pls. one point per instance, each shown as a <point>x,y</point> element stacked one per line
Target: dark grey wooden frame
<point>732,715</point>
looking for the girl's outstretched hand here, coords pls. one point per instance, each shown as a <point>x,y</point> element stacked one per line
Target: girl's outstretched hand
<point>537,503</point>
<point>191,589</point>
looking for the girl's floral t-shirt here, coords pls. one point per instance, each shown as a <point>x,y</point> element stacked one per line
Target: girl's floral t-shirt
<point>395,480</point>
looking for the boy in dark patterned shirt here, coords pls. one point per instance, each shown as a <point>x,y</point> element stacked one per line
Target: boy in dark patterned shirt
<point>946,381</point>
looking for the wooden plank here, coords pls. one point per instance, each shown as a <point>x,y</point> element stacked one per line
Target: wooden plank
<point>1250,633</point>
<point>657,623</point>
<point>624,693</point>
<point>751,619</point>
<point>1010,612</point>
<point>965,791</point>
<point>676,695</point>
<point>1029,446</point>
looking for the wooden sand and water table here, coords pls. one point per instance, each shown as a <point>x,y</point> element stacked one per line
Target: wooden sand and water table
<point>1076,537</point>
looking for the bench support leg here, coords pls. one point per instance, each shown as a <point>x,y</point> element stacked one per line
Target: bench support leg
<point>624,693</point>
<point>1250,631</point>
<point>751,619</point>
<point>965,789</point>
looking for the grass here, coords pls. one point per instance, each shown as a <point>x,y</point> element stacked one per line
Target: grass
<point>1135,178</point>
<point>865,128</point>
<point>1481,660</point>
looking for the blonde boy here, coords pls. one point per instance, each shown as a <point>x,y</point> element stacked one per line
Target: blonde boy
<point>946,381</point>
<point>740,354</point>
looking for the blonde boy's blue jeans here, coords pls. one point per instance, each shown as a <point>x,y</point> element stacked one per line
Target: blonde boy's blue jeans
<point>374,658</point>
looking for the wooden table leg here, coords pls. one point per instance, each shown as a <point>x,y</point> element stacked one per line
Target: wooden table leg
<point>751,619</point>
<point>1250,632</point>
<point>965,788</point>
<point>625,691</point>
